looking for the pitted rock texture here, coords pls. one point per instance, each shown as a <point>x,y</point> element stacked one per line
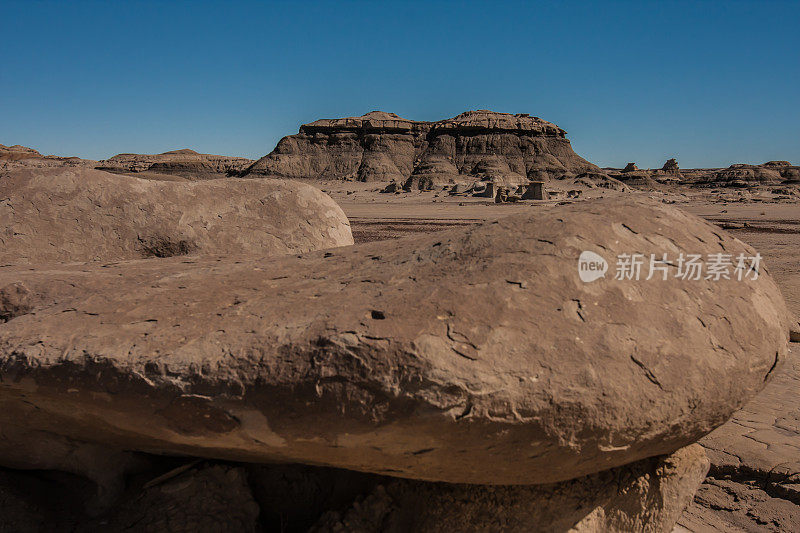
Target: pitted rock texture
<point>475,355</point>
<point>85,215</point>
<point>505,148</point>
<point>184,163</point>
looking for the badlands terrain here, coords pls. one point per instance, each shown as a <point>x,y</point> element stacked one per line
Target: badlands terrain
<point>379,326</point>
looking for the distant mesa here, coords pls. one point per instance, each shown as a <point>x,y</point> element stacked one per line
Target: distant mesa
<point>183,163</point>
<point>630,167</point>
<point>19,157</point>
<point>507,149</point>
<point>17,152</point>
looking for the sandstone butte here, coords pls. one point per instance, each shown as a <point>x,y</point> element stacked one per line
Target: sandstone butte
<point>507,149</point>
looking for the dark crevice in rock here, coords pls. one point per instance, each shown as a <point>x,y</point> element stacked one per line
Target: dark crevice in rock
<point>772,482</point>
<point>165,247</point>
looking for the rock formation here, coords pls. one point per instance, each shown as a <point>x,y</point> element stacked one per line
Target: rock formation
<point>630,167</point>
<point>376,358</point>
<point>476,145</point>
<point>183,163</point>
<point>72,214</point>
<point>17,152</point>
<point>646,496</point>
<point>643,496</point>
<point>670,166</point>
<point>13,158</point>
<point>740,175</point>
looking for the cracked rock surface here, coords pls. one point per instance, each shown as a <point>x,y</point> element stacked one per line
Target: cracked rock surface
<point>754,482</point>
<point>469,356</point>
<point>78,214</point>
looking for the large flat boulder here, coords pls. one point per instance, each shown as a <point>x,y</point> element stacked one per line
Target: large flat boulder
<point>71,214</point>
<point>474,355</point>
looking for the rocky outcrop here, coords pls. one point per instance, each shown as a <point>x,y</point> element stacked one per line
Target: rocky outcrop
<point>17,152</point>
<point>476,145</point>
<point>376,357</point>
<point>13,158</point>
<point>183,163</point>
<point>741,175</point>
<point>671,165</point>
<point>86,215</point>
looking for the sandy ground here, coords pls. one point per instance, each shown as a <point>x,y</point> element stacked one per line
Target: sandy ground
<point>754,483</point>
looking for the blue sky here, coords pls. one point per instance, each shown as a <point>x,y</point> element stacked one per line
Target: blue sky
<point>710,83</point>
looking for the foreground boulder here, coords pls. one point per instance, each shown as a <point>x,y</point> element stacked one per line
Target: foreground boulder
<point>475,355</point>
<point>84,215</point>
<point>501,147</point>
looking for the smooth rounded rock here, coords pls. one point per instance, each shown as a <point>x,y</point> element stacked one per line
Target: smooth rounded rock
<point>75,214</point>
<point>475,355</point>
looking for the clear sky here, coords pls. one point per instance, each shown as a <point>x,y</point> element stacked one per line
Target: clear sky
<point>710,83</point>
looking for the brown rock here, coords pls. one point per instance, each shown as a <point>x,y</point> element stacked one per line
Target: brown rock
<point>472,355</point>
<point>728,505</point>
<point>630,167</point>
<point>508,149</point>
<point>646,496</point>
<point>15,300</point>
<point>670,166</point>
<point>14,158</point>
<point>745,175</point>
<point>84,215</point>
<point>17,152</point>
<point>184,163</point>
<point>213,498</point>
<point>600,179</point>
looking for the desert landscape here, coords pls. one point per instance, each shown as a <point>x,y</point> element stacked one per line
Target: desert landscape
<point>381,325</point>
<point>399,267</point>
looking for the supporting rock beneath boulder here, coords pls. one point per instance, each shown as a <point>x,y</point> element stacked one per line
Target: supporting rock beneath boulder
<point>647,496</point>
